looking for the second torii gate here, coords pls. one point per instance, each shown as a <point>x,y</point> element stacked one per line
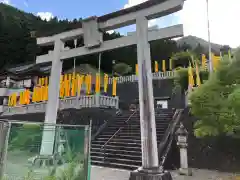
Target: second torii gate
<point>91,31</point>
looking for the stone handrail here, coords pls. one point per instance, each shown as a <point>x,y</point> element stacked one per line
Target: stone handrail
<point>67,103</point>
<point>133,78</point>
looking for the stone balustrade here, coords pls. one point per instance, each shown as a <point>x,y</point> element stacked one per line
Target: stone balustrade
<point>133,78</point>
<point>66,103</point>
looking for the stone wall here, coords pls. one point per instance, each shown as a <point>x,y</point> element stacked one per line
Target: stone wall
<point>162,88</point>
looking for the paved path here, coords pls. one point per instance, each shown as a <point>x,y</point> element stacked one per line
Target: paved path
<point>99,173</point>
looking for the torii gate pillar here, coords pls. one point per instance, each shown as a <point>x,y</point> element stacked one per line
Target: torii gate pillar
<point>150,169</point>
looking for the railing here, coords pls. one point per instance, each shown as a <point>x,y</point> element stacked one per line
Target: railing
<point>103,126</point>
<point>168,137</point>
<point>104,146</point>
<point>90,101</point>
<point>133,78</point>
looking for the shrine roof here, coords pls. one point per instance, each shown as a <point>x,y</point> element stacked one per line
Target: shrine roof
<point>26,71</point>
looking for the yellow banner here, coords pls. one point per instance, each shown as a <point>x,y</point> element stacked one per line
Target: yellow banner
<point>24,97</point>
<point>170,64</point>
<point>163,65</point>
<point>204,61</point>
<point>46,81</point>
<point>36,94</point>
<point>114,86</point>
<point>198,81</point>
<point>190,77</point>
<point>12,99</point>
<point>105,83</point>
<point>156,66</point>
<point>136,69</point>
<point>88,82</point>
<point>97,83</point>
<point>73,85</point>
<point>66,85</point>
<point>70,85</point>
<point>80,80</point>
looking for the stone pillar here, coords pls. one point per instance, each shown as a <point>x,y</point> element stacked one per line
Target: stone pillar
<point>53,101</point>
<point>97,100</point>
<point>150,169</point>
<point>4,135</point>
<point>184,170</point>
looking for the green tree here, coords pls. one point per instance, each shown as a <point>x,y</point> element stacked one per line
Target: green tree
<point>216,102</point>
<point>183,58</point>
<point>122,69</point>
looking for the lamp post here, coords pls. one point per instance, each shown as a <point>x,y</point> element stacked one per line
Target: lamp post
<point>209,41</point>
<point>181,138</point>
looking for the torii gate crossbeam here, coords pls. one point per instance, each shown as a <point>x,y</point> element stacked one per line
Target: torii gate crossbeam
<point>92,33</point>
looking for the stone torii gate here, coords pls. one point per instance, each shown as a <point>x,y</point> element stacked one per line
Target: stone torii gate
<point>92,32</point>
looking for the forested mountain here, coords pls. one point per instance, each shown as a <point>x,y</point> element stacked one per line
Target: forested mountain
<point>18,32</point>
<point>201,45</point>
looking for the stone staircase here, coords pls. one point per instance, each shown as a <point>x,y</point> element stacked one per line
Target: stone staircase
<point>119,145</point>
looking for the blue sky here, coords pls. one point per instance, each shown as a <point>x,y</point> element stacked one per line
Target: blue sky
<point>71,9</point>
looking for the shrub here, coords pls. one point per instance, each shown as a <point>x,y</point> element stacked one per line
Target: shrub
<point>216,102</point>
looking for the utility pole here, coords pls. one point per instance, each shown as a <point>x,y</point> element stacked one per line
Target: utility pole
<point>209,40</point>
<point>99,62</point>
<point>74,60</point>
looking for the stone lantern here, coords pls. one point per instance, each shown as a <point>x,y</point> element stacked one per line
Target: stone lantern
<point>182,137</point>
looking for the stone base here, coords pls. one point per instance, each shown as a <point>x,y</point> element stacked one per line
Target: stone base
<point>185,172</point>
<point>150,174</point>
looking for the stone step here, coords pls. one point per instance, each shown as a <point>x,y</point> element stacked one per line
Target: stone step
<point>116,151</point>
<point>137,130</point>
<point>119,139</point>
<point>116,155</point>
<point>117,160</point>
<point>130,125</point>
<point>136,133</point>
<point>119,143</point>
<point>114,165</point>
<point>118,147</point>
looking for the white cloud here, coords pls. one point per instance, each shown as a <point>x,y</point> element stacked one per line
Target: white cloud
<point>224,27</point>
<point>8,2</point>
<point>45,15</point>
<point>135,2</point>
<point>223,15</point>
<point>110,31</point>
<point>25,3</point>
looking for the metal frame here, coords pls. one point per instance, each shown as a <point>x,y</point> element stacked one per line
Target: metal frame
<point>4,145</point>
<point>87,142</point>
